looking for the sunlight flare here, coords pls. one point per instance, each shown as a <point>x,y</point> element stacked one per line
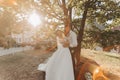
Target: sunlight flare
<point>34,19</point>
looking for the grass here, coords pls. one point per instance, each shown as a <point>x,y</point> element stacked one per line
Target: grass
<point>110,62</point>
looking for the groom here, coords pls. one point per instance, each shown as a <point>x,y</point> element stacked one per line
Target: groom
<point>72,43</point>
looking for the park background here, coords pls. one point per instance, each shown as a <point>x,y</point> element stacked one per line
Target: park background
<point>27,34</point>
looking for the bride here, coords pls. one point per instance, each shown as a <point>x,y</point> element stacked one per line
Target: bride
<point>59,66</point>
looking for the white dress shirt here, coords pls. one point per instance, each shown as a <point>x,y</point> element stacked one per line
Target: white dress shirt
<point>73,39</point>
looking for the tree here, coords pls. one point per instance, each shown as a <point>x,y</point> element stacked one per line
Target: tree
<point>89,9</point>
<point>86,10</point>
<point>56,12</point>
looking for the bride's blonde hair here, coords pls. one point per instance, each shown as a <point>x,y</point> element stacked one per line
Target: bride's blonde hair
<point>62,32</point>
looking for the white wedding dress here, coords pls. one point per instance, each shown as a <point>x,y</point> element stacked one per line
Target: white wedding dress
<point>59,66</point>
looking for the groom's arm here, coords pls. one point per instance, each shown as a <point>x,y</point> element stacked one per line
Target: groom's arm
<point>74,42</point>
<point>66,43</point>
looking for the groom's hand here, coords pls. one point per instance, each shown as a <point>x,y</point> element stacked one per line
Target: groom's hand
<point>66,44</point>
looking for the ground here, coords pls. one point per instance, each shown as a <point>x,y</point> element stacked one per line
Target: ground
<point>23,65</point>
<point>110,62</point>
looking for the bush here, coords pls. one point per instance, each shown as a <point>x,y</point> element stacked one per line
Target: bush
<point>7,42</point>
<point>3,42</point>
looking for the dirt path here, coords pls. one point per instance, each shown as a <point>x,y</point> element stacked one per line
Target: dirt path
<point>22,66</point>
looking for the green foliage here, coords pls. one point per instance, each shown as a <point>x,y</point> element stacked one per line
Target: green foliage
<point>109,38</point>
<point>115,23</point>
<point>90,39</point>
<point>93,38</point>
<point>53,14</point>
<point>7,42</point>
<point>3,43</point>
<point>102,10</point>
<point>6,21</point>
<point>99,11</point>
<point>76,24</point>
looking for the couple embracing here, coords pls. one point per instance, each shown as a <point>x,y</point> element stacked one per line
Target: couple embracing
<point>60,65</point>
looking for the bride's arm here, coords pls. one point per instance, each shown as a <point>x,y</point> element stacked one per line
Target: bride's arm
<point>52,47</point>
<point>66,43</point>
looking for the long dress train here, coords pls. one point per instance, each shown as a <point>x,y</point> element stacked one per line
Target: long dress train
<point>59,65</point>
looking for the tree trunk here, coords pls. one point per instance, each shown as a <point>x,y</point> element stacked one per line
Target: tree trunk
<point>70,17</point>
<point>80,38</point>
